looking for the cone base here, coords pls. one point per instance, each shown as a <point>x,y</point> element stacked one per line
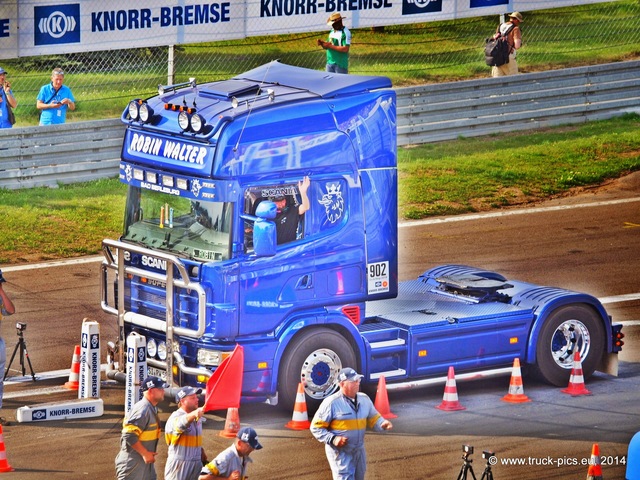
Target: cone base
<point>450,406</point>
<point>388,415</point>
<point>71,385</point>
<point>516,398</point>
<point>576,391</point>
<point>8,468</point>
<point>298,425</point>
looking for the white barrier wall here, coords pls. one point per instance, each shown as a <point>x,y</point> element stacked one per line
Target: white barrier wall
<point>49,27</point>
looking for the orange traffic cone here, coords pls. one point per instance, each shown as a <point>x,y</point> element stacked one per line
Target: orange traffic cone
<point>576,380</point>
<point>516,390</point>
<point>300,419</point>
<point>595,470</point>
<point>382,400</point>
<point>4,465</point>
<point>231,424</point>
<point>74,373</point>
<point>450,398</point>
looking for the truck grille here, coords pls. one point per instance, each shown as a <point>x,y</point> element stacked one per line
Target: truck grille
<point>151,302</point>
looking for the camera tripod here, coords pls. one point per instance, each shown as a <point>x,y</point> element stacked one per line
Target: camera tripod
<point>22,345</point>
<point>467,467</point>
<point>487,474</point>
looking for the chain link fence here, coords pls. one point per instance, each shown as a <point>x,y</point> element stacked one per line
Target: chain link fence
<point>103,82</point>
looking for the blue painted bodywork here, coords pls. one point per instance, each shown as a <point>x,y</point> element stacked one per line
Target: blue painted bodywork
<point>268,128</point>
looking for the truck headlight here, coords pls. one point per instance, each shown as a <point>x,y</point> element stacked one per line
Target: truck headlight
<point>209,357</point>
<point>162,351</point>
<point>152,348</point>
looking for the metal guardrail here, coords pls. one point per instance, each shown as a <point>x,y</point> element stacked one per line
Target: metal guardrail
<point>59,154</point>
<point>75,152</point>
<point>493,105</point>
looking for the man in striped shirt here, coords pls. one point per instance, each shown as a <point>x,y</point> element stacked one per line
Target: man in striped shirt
<point>341,422</point>
<point>233,462</point>
<point>140,434</point>
<point>183,433</point>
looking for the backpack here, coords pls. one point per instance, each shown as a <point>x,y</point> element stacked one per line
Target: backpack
<point>496,50</point>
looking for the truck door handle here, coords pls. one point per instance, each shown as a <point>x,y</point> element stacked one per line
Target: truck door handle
<point>304,282</point>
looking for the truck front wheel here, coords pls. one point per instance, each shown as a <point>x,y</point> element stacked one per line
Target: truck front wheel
<point>313,359</point>
<point>575,328</point>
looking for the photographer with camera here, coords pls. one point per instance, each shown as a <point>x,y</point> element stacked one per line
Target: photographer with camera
<point>7,101</point>
<point>6,308</point>
<point>54,99</point>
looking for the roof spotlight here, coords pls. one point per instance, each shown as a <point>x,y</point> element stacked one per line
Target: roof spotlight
<point>134,111</point>
<point>183,120</point>
<point>146,112</point>
<point>197,123</point>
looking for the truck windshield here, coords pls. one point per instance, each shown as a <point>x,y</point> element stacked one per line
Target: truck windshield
<point>194,228</point>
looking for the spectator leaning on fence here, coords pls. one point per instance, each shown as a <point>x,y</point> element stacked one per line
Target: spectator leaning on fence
<point>514,38</point>
<point>55,99</point>
<point>7,100</point>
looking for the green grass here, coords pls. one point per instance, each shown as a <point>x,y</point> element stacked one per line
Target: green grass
<point>465,175</point>
<point>470,175</point>
<point>45,224</point>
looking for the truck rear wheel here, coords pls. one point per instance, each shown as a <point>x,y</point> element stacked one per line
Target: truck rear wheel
<point>314,358</point>
<point>575,328</point>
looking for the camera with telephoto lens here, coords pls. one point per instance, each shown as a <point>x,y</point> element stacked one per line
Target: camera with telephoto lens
<point>488,455</point>
<point>21,327</point>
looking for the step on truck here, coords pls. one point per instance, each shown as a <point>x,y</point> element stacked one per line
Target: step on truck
<point>262,211</point>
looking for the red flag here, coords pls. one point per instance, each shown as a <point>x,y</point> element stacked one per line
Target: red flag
<point>225,385</point>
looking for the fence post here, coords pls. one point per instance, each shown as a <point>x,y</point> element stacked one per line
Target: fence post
<point>171,67</point>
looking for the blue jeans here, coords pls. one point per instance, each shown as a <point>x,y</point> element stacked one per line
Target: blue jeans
<point>333,68</point>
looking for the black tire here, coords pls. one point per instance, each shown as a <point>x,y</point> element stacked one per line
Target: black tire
<point>314,358</point>
<point>567,330</point>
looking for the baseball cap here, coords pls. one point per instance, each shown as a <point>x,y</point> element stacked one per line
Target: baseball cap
<point>349,374</point>
<point>185,391</point>
<point>2,70</point>
<point>278,197</point>
<point>153,382</point>
<point>249,435</point>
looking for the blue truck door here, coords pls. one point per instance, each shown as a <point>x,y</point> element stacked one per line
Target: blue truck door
<point>272,287</point>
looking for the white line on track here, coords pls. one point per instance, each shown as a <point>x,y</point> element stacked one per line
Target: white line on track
<point>508,213</point>
<point>55,263</point>
<point>629,297</point>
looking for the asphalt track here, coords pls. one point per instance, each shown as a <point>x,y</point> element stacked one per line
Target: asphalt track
<point>589,242</point>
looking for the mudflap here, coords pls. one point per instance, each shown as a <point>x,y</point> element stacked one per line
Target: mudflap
<point>609,364</point>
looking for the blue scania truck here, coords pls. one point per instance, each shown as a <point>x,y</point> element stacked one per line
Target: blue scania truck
<point>215,170</point>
